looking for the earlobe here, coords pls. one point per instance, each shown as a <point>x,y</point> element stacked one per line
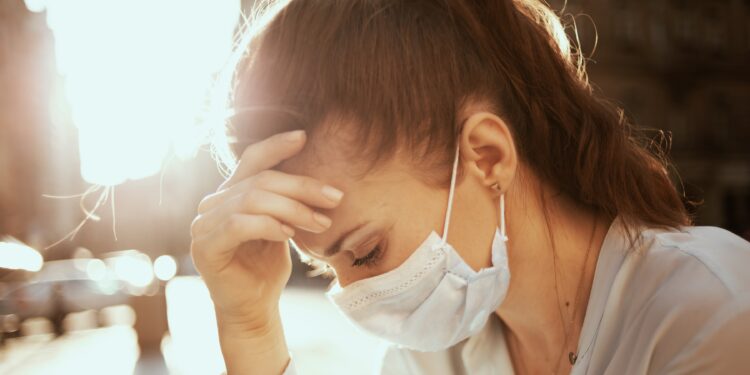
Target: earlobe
<point>487,146</point>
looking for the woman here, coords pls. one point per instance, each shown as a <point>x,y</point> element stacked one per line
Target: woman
<point>479,205</point>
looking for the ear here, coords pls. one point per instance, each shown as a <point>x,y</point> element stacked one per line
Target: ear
<point>488,150</point>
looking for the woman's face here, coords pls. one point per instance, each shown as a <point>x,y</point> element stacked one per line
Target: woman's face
<point>386,215</point>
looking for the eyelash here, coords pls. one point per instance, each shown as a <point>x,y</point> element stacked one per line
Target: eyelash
<point>370,259</point>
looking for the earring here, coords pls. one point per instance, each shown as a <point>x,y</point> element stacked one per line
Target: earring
<point>496,186</point>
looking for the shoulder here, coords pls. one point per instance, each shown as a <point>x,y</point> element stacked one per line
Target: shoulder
<point>689,297</point>
<point>689,257</point>
<point>683,275</point>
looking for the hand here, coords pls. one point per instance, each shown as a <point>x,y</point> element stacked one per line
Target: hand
<point>239,237</point>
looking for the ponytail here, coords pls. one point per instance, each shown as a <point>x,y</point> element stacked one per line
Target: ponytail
<point>576,141</point>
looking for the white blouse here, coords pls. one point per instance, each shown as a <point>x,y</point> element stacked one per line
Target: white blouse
<point>676,302</point>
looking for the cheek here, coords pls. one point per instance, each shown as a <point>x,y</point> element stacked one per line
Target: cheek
<point>345,278</point>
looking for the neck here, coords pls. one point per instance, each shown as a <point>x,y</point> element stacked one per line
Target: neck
<point>549,239</point>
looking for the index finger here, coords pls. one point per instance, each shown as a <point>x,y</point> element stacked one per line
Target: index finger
<point>266,154</point>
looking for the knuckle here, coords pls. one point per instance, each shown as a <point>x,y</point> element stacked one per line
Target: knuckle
<point>266,222</point>
<point>199,254</point>
<point>300,210</point>
<point>264,178</point>
<point>248,152</point>
<point>250,199</point>
<point>307,185</point>
<point>204,203</point>
<point>234,225</point>
<point>195,225</point>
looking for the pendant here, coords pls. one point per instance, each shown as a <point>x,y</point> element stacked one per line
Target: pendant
<point>573,357</point>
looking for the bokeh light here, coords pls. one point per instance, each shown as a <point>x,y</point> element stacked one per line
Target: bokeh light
<point>165,267</point>
<point>134,268</point>
<point>17,256</point>
<point>96,269</point>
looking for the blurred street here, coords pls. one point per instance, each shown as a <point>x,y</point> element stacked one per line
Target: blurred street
<point>111,350</point>
<point>320,340</point>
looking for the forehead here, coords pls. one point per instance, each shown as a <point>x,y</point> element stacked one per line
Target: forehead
<point>370,200</point>
<point>365,196</point>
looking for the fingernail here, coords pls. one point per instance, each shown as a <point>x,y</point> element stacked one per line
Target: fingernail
<point>332,193</point>
<point>322,219</point>
<point>288,230</point>
<point>294,136</point>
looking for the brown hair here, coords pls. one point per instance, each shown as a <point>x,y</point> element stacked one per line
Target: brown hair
<point>401,70</point>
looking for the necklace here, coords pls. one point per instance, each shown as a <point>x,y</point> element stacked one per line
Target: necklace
<point>573,355</point>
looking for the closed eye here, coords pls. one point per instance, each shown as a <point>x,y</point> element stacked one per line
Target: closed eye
<point>370,259</point>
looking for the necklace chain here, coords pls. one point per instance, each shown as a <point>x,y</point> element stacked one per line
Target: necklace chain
<point>572,355</point>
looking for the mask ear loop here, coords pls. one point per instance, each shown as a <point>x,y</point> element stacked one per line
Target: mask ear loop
<point>444,237</point>
<point>502,218</point>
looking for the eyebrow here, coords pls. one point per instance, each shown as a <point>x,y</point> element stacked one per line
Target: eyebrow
<point>336,246</point>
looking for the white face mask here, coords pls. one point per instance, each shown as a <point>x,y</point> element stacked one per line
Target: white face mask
<point>434,299</point>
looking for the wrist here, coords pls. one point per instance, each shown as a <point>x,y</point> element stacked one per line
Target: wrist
<point>253,344</point>
<point>248,324</point>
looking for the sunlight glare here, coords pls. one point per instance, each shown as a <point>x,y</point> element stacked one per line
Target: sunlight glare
<point>137,75</point>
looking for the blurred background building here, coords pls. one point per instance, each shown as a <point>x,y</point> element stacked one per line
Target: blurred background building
<point>681,66</point>
<point>121,295</point>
